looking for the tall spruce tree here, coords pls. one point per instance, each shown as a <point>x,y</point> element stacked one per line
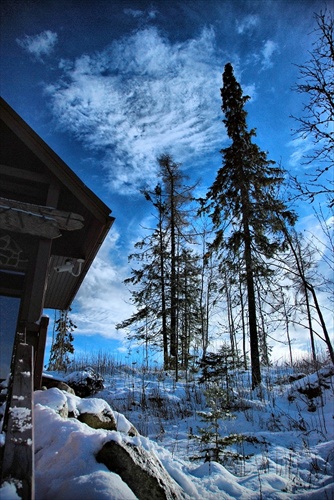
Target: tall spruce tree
<point>245,207</point>
<point>167,277</point>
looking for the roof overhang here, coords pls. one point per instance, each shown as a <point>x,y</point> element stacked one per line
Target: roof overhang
<point>42,198</point>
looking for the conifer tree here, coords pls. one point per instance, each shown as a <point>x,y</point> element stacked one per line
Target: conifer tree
<point>62,343</point>
<point>178,197</point>
<point>211,441</point>
<point>245,207</point>
<point>149,282</point>
<point>189,316</point>
<point>166,279</point>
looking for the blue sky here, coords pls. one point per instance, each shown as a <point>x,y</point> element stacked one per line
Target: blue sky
<point>110,85</point>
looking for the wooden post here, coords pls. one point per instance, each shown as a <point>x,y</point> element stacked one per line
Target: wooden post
<point>18,455</point>
<point>39,354</point>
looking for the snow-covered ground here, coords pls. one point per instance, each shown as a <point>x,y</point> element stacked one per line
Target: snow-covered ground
<point>287,449</point>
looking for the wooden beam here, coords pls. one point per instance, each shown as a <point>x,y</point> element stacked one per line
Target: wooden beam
<point>18,455</point>
<point>35,285</point>
<point>21,174</point>
<point>37,220</point>
<point>28,223</point>
<point>39,351</point>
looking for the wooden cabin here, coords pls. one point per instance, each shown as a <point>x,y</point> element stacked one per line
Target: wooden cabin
<point>51,228</point>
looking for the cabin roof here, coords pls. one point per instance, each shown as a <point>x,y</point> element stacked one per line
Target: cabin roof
<point>47,200</point>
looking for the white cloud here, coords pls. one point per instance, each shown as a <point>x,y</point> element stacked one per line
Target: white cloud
<point>247,24</point>
<point>268,51</point>
<point>302,146</point>
<point>134,12</point>
<point>250,90</point>
<point>140,97</point>
<point>152,14</point>
<point>39,45</point>
<point>102,300</point>
<point>137,13</point>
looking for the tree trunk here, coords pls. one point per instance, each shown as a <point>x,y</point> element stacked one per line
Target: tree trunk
<point>244,333</point>
<point>307,286</point>
<point>163,297</point>
<point>287,327</point>
<point>309,317</point>
<point>231,322</point>
<point>253,335</point>
<point>323,324</point>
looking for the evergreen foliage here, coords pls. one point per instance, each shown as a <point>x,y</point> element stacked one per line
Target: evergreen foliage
<point>166,282</point>
<point>245,206</point>
<point>235,287</point>
<point>217,366</point>
<point>62,343</point>
<point>212,444</point>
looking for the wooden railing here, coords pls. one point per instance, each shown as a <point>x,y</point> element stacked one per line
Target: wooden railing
<point>26,374</point>
<point>18,453</point>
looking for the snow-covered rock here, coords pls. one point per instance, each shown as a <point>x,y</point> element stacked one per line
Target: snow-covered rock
<point>53,398</point>
<point>49,382</point>
<point>140,470</point>
<point>85,382</point>
<point>91,444</point>
<point>102,420</point>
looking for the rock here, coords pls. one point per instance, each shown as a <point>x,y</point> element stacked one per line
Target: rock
<point>102,420</point>
<point>133,431</point>
<point>140,470</point>
<point>97,414</point>
<point>49,382</point>
<point>85,383</point>
<point>124,425</point>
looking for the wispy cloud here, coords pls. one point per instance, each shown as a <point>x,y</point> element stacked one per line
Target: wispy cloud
<point>39,45</point>
<point>140,97</point>
<point>268,51</point>
<point>134,12</point>
<point>301,147</point>
<point>247,24</point>
<point>137,13</point>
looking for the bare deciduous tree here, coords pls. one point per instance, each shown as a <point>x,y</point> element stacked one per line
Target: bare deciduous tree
<point>316,83</point>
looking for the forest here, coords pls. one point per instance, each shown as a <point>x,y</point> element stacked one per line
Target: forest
<point>217,282</point>
<point>225,277</point>
<point>232,264</point>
